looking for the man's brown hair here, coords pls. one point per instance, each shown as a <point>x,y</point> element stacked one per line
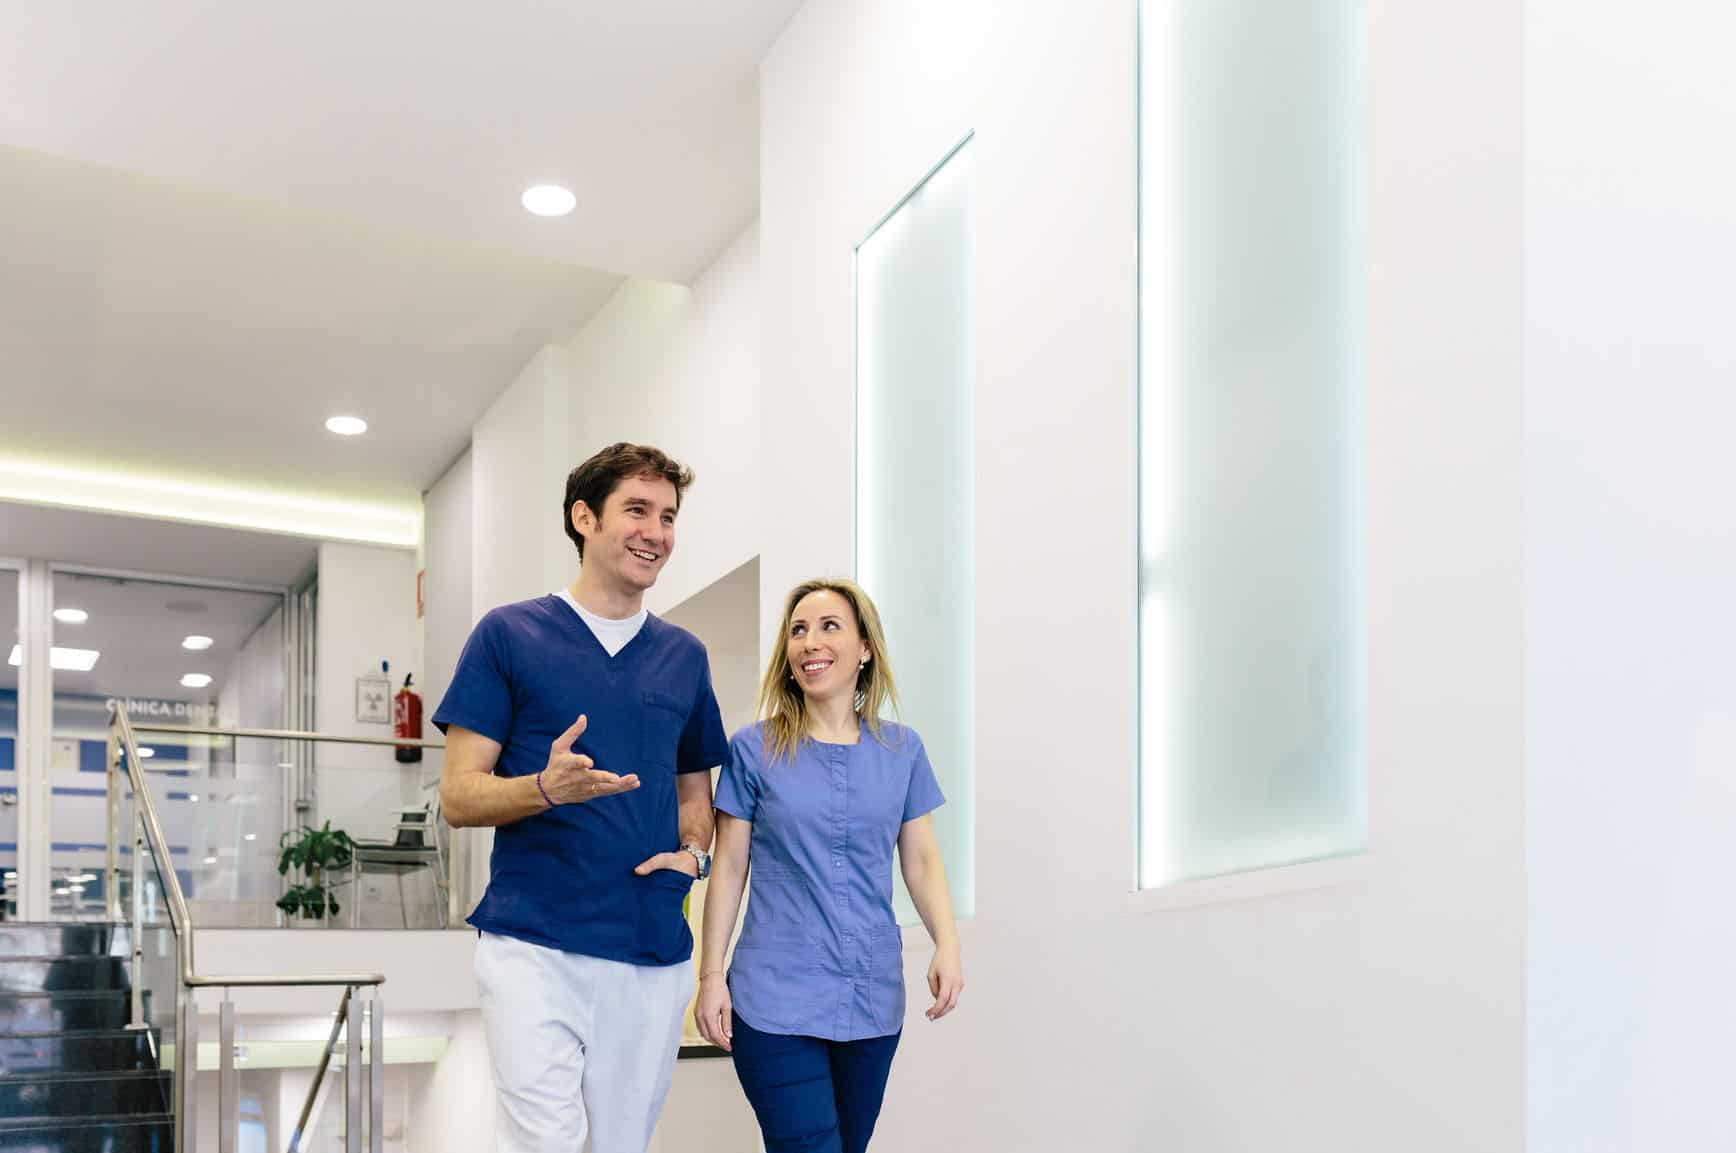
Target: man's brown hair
<point>593,481</point>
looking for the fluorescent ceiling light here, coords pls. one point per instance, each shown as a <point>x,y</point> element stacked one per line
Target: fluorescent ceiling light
<point>63,660</point>
<point>197,643</point>
<point>548,200</point>
<point>71,616</point>
<point>347,425</point>
<point>250,836</point>
<point>195,680</point>
<point>199,502</point>
<point>210,860</point>
<point>146,753</point>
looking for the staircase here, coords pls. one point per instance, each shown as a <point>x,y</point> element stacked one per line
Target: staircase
<point>73,1078</point>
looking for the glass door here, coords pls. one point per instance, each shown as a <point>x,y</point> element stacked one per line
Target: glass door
<point>172,653</point>
<point>11,640</point>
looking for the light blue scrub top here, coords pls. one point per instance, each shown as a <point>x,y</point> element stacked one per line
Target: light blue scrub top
<point>820,953</point>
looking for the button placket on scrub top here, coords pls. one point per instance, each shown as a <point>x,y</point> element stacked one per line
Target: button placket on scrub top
<point>838,796</point>
<point>840,805</point>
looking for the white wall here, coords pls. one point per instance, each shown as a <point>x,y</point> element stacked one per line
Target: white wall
<point>367,614</point>
<point>452,1102</point>
<point>725,616</point>
<point>679,367</point>
<point>426,970</point>
<point>1629,243</point>
<point>520,453</point>
<point>449,611</point>
<point>1384,1014</point>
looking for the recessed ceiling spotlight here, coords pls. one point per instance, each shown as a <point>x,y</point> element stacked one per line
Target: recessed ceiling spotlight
<point>71,616</point>
<point>347,425</point>
<point>196,643</point>
<point>196,680</point>
<point>548,200</point>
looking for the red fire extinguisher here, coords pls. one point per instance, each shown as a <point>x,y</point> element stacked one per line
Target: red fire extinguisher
<point>407,722</point>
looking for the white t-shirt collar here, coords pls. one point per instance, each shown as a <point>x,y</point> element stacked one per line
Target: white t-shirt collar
<point>613,635</point>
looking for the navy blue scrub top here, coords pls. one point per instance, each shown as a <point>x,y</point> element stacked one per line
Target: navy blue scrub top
<point>820,953</point>
<point>564,878</point>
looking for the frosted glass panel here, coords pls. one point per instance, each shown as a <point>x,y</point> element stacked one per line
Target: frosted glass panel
<point>1252,397</point>
<point>915,372</point>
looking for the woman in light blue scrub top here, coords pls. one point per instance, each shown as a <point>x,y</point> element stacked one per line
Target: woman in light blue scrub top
<point>815,795</point>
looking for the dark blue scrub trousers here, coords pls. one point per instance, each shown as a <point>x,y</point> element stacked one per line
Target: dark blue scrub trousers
<point>812,1095</point>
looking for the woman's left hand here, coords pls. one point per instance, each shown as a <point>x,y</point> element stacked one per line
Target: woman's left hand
<point>945,981</point>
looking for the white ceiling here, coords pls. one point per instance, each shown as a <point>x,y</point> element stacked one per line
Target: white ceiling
<point>164,329</point>
<point>434,116</point>
<point>222,223</point>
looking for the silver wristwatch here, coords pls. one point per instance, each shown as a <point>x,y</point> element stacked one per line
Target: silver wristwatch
<point>703,857</point>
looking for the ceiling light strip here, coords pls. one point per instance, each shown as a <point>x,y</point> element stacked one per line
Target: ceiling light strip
<point>196,503</point>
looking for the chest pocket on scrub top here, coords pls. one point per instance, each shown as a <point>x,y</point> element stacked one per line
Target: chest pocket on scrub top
<point>664,717</point>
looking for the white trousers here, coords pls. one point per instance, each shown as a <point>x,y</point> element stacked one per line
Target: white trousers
<point>580,1046</point>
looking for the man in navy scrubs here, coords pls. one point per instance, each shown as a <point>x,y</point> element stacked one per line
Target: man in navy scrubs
<point>583,730</point>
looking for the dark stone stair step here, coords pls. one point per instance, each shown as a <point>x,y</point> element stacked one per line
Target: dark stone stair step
<point>37,939</point>
<point>63,1094</point>
<point>64,1009</point>
<point>32,974</point>
<point>140,1133</point>
<point>84,1051</point>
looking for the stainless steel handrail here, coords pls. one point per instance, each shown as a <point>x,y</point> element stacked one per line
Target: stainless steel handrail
<point>286,735</point>
<point>150,830</point>
<point>180,918</point>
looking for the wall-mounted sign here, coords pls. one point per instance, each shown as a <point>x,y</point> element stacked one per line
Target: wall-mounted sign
<point>373,700</point>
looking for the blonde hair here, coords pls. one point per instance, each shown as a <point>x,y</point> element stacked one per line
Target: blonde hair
<point>782,704</point>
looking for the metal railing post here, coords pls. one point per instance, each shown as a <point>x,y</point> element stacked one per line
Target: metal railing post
<point>111,880</point>
<point>187,1072</point>
<point>376,1072</point>
<point>353,1082</point>
<point>138,924</point>
<point>228,1092</point>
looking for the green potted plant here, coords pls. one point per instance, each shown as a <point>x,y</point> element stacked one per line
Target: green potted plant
<point>310,854</point>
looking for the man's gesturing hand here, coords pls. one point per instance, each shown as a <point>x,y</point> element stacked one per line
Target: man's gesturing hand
<point>570,779</point>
